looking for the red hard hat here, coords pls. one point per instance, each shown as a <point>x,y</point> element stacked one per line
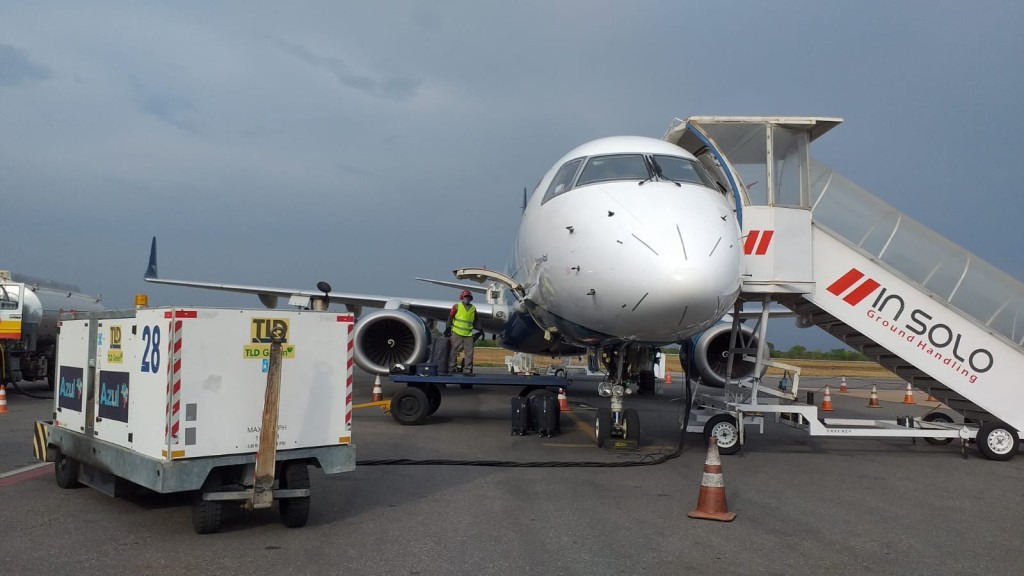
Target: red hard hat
<point>465,294</point>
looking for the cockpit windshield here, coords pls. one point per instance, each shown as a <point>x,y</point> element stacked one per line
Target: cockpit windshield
<point>635,167</point>
<point>684,170</point>
<point>614,167</point>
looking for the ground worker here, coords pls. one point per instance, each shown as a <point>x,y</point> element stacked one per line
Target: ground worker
<point>461,324</point>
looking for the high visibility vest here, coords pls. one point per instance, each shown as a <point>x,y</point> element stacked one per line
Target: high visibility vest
<point>462,324</point>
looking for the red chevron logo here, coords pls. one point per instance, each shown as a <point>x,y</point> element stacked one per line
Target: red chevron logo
<point>762,246</point>
<point>860,292</point>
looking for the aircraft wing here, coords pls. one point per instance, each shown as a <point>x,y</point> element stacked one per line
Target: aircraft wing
<point>271,296</point>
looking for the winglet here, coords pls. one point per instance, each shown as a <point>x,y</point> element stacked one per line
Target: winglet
<point>151,270</point>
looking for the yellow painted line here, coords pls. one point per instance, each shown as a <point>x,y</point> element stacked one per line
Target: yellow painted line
<point>586,427</point>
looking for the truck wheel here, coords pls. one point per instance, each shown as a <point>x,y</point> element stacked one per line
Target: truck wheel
<point>294,511</point>
<point>65,470</point>
<point>998,441</point>
<point>632,418</point>
<point>937,417</point>
<point>603,426</point>
<point>410,406</point>
<point>207,515</point>
<point>724,427</point>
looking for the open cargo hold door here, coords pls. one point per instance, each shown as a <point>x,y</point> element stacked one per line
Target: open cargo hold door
<point>482,275</point>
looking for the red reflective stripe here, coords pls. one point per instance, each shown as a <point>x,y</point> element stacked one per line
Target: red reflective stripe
<point>841,285</point>
<point>182,314</point>
<point>861,292</point>
<point>748,246</point>
<point>766,239</point>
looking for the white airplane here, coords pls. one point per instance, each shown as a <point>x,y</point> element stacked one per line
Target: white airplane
<point>627,244</point>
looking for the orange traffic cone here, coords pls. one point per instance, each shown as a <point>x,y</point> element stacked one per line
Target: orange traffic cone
<point>873,399</point>
<point>668,377</point>
<point>908,396</point>
<point>563,402</point>
<point>931,398</point>
<point>842,386</point>
<point>378,392</point>
<point>826,402</point>
<point>711,503</point>
<point>3,399</point>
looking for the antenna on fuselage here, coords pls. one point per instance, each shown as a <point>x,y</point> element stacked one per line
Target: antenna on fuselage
<point>524,199</point>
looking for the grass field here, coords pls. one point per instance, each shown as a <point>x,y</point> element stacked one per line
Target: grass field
<point>822,368</point>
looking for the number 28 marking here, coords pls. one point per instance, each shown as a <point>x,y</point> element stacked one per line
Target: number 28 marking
<point>151,355</point>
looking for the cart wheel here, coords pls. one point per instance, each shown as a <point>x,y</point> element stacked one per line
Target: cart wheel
<point>433,397</point>
<point>207,514</point>
<point>998,441</point>
<point>410,406</point>
<point>65,470</point>
<point>294,511</point>
<point>937,417</point>
<point>603,426</point>
<point>560,373</point>
<point>724,427</point>
<point>632,424</point>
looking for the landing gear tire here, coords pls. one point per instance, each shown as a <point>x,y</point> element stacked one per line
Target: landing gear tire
<point>632,418</point>
<point>603,426</point>
<point>937,417</point>
<point>294,511</point>
<point>433,397</point>
<point>410,406</point>
<point>724,427</point>
<point>65,471</point>
<point>998,441</point>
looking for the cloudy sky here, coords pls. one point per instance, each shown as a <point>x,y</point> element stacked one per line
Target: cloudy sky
<point>367,143</point>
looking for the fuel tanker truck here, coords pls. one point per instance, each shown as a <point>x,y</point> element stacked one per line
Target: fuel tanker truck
<point>30,309</point>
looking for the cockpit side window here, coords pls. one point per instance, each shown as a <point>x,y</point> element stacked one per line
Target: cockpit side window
<point>614,167</point>
<point>684,170</point>
<point>562,181</point>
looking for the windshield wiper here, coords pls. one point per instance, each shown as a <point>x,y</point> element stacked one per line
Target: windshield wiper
<point>660,174</point>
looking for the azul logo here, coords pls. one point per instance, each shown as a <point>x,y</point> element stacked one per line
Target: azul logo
<point>113,395</point>
<point>935,339</point>
<point>69,392</point>
<point>752,246</point>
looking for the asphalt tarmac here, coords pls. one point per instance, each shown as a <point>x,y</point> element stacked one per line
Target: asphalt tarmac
<point>804,505</point>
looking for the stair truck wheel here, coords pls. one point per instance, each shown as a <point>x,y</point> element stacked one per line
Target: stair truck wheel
<point>65,470</point>
<point>724,427</point>
<point>603,426</point>
<point>410,406</point>
<point>294,511</point>
<point>632,418</point>
<point>998,441</point>
<point>938,417</point>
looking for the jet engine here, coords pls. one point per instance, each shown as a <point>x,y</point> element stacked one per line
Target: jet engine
<point>384,338</point>
<point>711,355</point>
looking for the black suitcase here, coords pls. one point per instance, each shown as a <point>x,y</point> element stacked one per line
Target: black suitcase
<point>440,349</point>
<point>545,415</point>
<point>520,416</point>
<point>426,369</point>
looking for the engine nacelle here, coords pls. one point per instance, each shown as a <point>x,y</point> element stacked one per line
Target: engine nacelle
<point>711,355</point>
<point>384,338</point>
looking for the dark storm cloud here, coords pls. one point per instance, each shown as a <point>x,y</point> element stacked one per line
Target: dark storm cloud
<point>394,87</point>
<point>16,68</point>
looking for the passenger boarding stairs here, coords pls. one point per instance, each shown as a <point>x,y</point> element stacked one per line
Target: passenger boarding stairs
<point>935,315</point>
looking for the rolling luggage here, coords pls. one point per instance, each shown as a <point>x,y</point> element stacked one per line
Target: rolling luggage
<point>545,415</point>
<point>440,348</point>
<point>426,369</point>
<point>520,416</point>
